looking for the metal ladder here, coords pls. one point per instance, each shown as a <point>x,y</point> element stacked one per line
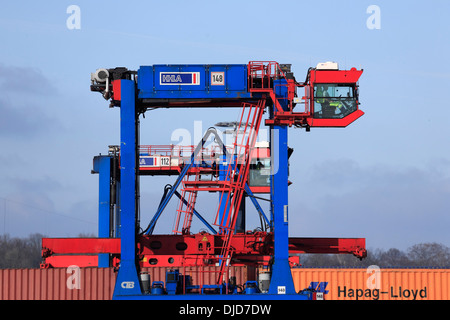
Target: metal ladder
<point>186,208</point>
<point>236,178</point>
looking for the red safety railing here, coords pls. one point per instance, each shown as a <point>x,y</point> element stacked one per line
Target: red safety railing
<point>166,150</point>
<point>178,151</point>
<point>261,74</point>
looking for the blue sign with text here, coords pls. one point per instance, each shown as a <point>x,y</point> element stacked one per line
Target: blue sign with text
<point>179,78</point>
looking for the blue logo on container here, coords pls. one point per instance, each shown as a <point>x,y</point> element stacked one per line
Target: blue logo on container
<point>179,78</point>
<point>146,161</point>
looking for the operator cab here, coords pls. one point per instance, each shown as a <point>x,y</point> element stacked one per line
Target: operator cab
<point>334,95</point>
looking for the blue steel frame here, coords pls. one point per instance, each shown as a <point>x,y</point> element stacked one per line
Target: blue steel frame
<point>127,283</point>
<point>102,166</point>
<point>234,85</point>
<point>281,281</point>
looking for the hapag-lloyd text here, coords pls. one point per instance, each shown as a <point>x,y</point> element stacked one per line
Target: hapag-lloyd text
<point>376,294</point>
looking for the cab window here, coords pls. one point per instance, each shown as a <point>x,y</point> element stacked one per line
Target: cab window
<point>334,101</point>
<point>259,175</point>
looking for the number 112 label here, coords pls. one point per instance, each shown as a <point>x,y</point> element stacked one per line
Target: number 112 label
<point>217,78</point>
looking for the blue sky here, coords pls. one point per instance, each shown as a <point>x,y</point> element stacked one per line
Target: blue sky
<point>386,177</point>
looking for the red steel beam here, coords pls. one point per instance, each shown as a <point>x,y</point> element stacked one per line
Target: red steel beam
<point>64,261</point>
<point>51,246</point>
<point>170,250</point>
<point>356,246</point>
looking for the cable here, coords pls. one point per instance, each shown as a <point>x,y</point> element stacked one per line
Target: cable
<point>167,187</point>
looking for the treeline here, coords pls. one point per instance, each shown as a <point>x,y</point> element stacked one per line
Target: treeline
<point>17,253</point>
<point>434,255</point>
<point>22,253</point>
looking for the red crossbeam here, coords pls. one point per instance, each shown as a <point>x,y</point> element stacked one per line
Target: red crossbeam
<point>191,249</point>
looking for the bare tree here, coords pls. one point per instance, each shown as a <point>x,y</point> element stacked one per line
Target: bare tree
<point>20,253</point>
<point>393,257</point>
<point>429,255</point>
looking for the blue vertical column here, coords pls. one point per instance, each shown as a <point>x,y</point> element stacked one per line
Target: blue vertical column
<point>102,164</point>
<point>127,282</point>
<point>117,212</point>
<point>281,281</point>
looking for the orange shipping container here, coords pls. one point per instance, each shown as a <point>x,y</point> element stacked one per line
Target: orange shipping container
<point>57,284</point>
<point>92,283</point>
<point>343,284</point>
<point>376,283</point>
